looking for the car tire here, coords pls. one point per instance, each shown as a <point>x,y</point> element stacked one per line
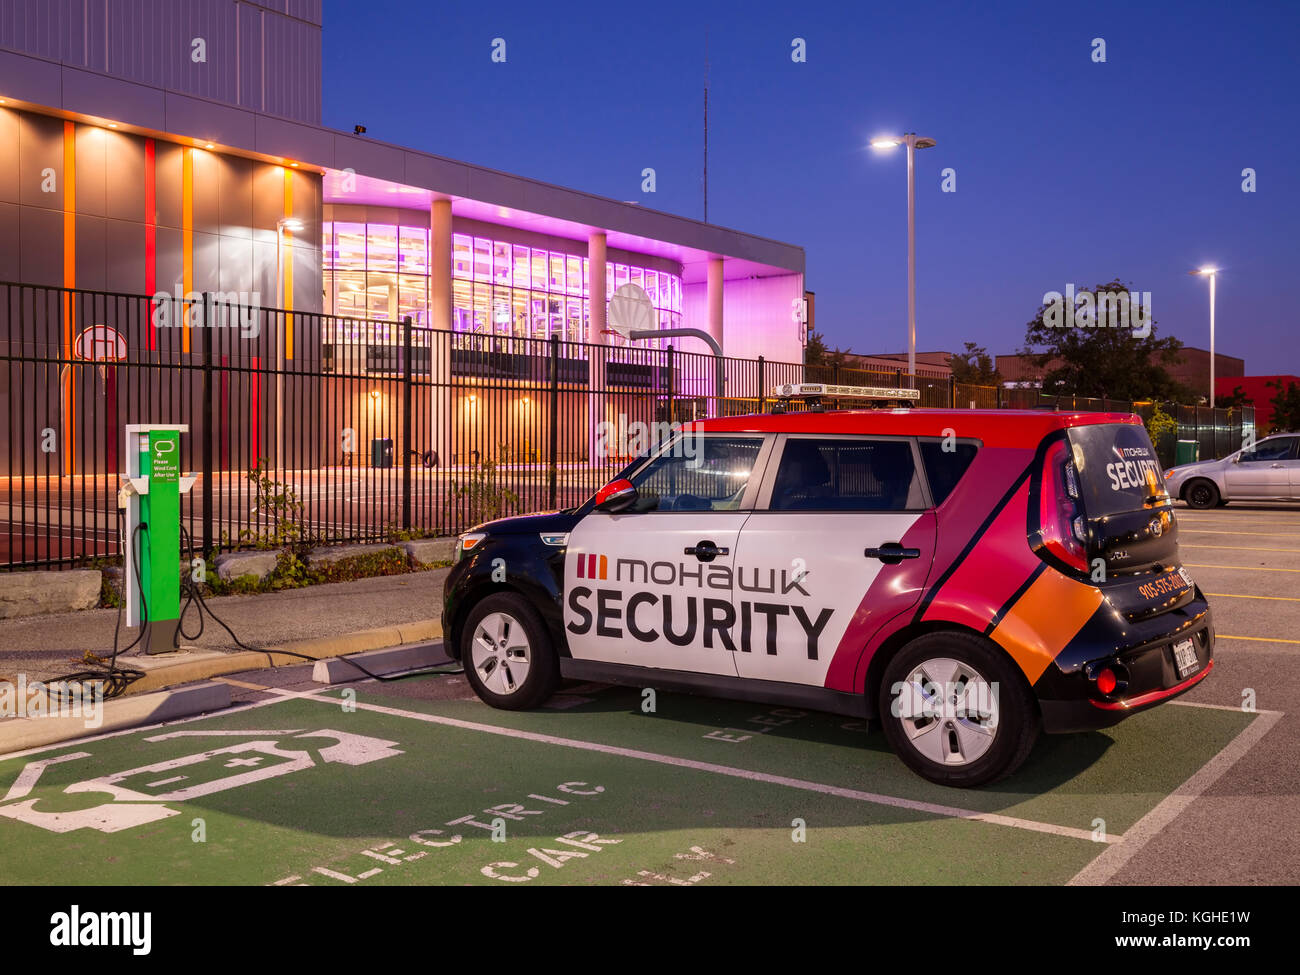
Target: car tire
<point>507,654</point>
<point>1201,493</point>
<point>987,742</point>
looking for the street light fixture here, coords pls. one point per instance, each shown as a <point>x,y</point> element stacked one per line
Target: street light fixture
<point>913,142</point>
<point>1212,274</point>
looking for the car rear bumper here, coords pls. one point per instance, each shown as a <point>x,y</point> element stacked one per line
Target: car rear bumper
<point>1074,702</point>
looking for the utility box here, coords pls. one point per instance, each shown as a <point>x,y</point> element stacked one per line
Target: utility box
<point>1186,452</point>
<point>381,452</point>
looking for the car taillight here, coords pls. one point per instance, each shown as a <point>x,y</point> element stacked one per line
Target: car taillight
<point>1060,522</point>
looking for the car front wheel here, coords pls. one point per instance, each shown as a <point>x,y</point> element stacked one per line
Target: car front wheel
<point>1201,494</point>
<point>956,711</point>
<point>507,654</point>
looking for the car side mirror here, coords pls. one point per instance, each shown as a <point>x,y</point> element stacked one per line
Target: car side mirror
<point>616,496</point>
<point>1237,459</point>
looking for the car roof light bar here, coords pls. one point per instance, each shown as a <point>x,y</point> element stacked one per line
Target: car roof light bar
<point>814,393</point>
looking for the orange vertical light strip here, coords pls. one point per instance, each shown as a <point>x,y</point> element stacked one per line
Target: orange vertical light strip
<point>288,265</point>
<point>187,239</point>
<point>69,281</point>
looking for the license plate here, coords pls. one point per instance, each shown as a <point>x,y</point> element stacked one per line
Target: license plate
<point>1185,658</point>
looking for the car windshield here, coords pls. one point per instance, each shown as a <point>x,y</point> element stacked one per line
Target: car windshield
<point>1117,466</point>
<point>698,474</point>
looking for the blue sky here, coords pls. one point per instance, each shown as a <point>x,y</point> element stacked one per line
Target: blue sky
<point>1067,171</point>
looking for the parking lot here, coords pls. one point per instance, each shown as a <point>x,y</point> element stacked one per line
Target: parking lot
<point>416,782</point>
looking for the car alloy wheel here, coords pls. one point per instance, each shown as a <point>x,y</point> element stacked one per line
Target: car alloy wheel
<point>949,711</point>
<point>1202,494</point>
<point>500,653</point>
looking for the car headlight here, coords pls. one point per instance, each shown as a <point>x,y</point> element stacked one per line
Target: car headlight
<point>466,543</point>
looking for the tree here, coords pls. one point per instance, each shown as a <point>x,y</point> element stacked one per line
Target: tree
<point>1286,406</point>
<point>1236,399</point>
<point>815,352</point>
<point>1086,359</point>
<point>974,367</point>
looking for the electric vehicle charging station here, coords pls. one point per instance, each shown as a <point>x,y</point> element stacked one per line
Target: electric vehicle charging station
<point>151,495</point>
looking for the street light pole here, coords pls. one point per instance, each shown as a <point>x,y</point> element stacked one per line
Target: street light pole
<point>913,142</point>
<point>1211,273</point>
<point>910,139</point>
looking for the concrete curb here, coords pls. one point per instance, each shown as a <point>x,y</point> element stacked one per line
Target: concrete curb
<point>182,668</point>
<point>390,661</point>
<point>19,734</point>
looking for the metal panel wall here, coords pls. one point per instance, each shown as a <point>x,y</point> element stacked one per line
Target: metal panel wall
<point>263,56</point>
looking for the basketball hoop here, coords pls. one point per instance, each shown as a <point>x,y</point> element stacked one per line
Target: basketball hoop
<point>100,344</point>
<point>630,311</point>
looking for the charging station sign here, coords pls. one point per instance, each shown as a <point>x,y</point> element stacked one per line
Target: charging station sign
<point>164,456</point>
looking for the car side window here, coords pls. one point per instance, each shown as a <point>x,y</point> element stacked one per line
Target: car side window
<point>846,475</point>
<point>945,463</point>
<point>698,474</point>
<point>1282,448</point>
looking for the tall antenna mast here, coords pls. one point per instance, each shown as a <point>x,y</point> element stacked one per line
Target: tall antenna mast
<point>706,124</point>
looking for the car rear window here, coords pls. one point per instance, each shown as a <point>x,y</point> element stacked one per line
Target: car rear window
<point>1117,467</point>
<point>945,467</point>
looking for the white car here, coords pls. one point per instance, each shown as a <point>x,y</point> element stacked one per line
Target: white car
<point>1268,471</point>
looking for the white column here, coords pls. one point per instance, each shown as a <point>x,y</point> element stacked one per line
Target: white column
<point>713,301</point>
<point>442,422</point>
<point>596,403</point>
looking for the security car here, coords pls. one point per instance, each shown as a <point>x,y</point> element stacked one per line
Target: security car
<point>967,578</point>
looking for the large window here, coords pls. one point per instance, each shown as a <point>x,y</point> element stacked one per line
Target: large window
<point>846,475</point>
<point>381,271</point>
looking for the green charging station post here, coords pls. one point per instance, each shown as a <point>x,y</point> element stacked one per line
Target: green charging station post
<point>151,494</point>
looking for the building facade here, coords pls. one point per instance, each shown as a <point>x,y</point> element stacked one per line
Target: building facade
<point>174,151</point>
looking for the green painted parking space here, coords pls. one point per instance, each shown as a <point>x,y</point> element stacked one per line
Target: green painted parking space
<point>1118,774</point>
<point>307,791</point>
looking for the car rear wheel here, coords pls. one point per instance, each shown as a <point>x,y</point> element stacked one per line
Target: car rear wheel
<point>1201,494</point>
<point>507,654</point>
<point>956,710</point>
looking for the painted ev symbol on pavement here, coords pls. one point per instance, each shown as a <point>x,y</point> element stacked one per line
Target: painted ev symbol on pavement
<point>136,796</point>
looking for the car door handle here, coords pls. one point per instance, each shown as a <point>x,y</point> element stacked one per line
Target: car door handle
<point>1276,466</point>
<point>891,553</point>
<point>705,551</point>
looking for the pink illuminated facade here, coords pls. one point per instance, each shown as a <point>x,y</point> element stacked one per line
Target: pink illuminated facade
<point>527,274</point>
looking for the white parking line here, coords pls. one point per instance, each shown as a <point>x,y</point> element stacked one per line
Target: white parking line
<point>158,724</point>
<point>1216,531</point>
<point>934,809</point>
<point>1237,548</point>
<point>1112,860</point>
<point>1245,568</point>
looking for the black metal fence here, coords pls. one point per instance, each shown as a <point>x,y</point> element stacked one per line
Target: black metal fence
<point>313,428</point>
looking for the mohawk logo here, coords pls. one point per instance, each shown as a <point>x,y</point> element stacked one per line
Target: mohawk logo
<point>593,566</point>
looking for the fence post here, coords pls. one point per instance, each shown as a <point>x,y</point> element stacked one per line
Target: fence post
<point>406,423</point>
<point>762,395</point>
<point>671,418</point>
<point>208,332</point>
<point>952,391</point>
<point>553,444</point>
<point>998,395</point>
